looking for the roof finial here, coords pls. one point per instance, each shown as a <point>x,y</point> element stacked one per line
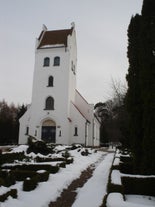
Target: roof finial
<point>44,28</point>
<point>73,25</point>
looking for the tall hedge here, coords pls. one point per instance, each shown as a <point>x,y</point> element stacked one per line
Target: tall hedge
<point>140,98</point>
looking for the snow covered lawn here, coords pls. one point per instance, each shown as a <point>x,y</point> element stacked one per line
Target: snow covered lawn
<point>50,190</point>
<point>116,200</point>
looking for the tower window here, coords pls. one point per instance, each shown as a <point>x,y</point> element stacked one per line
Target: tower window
<point>57,61</point>
<point>27,131</point>
<point>76,131</point>
<point>49,103</point>
<point>50,81</point>
<point>46,61</point>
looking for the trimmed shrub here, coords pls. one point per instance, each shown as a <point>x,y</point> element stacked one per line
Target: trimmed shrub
<point>85,153</point>
<point>66,154</point>
<point>69,161</point>
<point>6,178</point>
<point>115,167</point>
<point>75,146</point>
<point>126,168</point>
<point>2,182</point>
<point>31,184</point>
<point>141,186</point>
<point>126,159</point>
<point>12,193</point>
<point>31,167</point>
<point>54,169</point>
<point>115,188</point>
<point>62,164</point>
<point>38,147</point>
<point>20,175</point>
<point>44,176</point>
<point>49,159</point>
<point>10,157</point>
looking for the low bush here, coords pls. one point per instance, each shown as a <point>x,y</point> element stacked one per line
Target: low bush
<point>75,146</point>
<point>62,164</point>
<point>11,157</point>
<point>115,167</point>
<point>31,167</point>
<point>38,147</point>
<point>141,186</point>
<point>85,153</point>
<point>31,183</point>
<point>6,178</point>
<point>20,175</point>
<point>126,159</point>
<point>12,193</point>
<point>49,159</point>
<point>126,168</point>
<point>2,182</point>
<point>66,154</point>
<point>69,161</point>
<point>44,176</point>
<point>115,188</point>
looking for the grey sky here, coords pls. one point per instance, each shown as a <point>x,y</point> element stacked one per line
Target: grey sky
<point>101,29</point>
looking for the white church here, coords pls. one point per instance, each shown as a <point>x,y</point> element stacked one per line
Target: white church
<point>58,113</point>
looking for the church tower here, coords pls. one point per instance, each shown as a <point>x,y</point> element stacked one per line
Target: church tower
<point>58,113</point>
<point>54,84</point>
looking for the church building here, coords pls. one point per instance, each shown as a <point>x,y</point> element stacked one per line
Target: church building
<point>58,113</point>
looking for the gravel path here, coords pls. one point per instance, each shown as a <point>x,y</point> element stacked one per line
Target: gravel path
<point>68,196</point>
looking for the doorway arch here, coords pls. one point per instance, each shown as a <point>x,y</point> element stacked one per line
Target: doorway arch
<point>49,131</point>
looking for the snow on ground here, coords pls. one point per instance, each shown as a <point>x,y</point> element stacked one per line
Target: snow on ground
<point>141,199</point>
<point>116,177</point>
<point>116,200</point>
<point>50,190</point>
<point>137,176</point>
<point>116,161</point>
<point>92,193</point>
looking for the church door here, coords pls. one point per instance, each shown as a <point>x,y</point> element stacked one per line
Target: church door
<point>49,131</point>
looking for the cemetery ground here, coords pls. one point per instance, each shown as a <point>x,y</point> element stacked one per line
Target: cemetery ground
<point>44,175</point>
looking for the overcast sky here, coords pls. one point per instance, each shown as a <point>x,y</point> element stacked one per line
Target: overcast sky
<point>101,31</point>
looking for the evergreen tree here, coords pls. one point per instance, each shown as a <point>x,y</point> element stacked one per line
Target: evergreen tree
<point>140,98</point>
<point>133,97</point>
<point>147,81</point>
<point>9,122</point>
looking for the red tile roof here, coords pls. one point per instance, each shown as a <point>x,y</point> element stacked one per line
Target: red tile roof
<point>54,37</point>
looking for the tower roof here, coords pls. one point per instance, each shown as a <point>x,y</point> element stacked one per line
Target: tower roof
<point>54,37</point>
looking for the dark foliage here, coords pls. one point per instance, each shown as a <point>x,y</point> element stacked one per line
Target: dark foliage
<point>140,98</point>
<point>30,184</point>
<point>12,193</point>
<point>31,167</point>
<point>141,186</point>
<point>38,147</point>
<point>115,188</point>
<point>6,179</point>
<point>43,176</point>
<point>11,157</point>
<point>49,159</point>
<point>20,175</point>
<point>9,124</point>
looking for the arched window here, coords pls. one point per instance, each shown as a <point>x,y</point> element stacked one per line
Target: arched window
<point>50,81</point>
<point>49,103</point>
<point>57,61</point>
<point>46,61</point>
